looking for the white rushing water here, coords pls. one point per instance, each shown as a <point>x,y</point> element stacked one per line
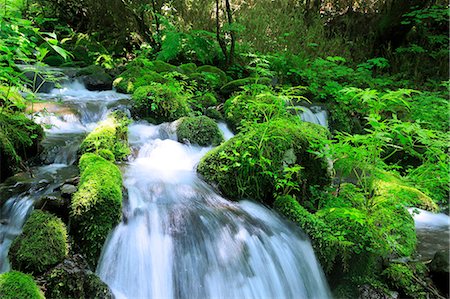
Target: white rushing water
<point>77,112</point>
<point>314,114</point>
<point>179,239</point>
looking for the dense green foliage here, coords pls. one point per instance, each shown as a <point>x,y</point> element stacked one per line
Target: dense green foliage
<point>97,205</point>
<point>199,130</point>
<point>273,157</point>
<point>110,136</point>
<point>15,285</point>
<point>42,244</point>
<point>160,102</point>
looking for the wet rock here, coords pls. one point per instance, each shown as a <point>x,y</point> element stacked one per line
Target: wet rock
<point>439,271</point>
<point>95,78</point>
<point>73,181</point>
<point>369,292</point>
<point>54,204</point>
<point>67,190</point>
<point>73,279</point>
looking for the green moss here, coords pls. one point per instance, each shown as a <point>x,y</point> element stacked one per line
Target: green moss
<point>19,140</point>
<point>257,163</point>
<point>213,70</point>
<point>161,67</point>
<point>324,242</point>
<point>160,103</point>
<point>16,285</point>
<point>42,244</point>
<point>92,70</point>
<point>112,135</point>
<point>237,85</point>
<point>199,130</point>
<point>213,113</point>
<point>406,279</point>
<point>245,108</point>
<point>390,186</point>
<point>72,282</point>
<point>97,205</point>
<point>188,68</point>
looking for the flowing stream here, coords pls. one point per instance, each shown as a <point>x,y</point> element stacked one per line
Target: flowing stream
<point>180,239</point>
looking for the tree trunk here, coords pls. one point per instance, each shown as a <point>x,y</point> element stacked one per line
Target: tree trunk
<point>233,42</point>
<point>220,40</point>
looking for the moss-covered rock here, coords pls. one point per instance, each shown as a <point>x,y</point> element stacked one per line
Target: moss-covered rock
<point>237,85</point>
<point>245,108</point>
<point>269,157</point>
<point>17,285</point>
<point>128,81</point>
<point>161,66</point>
<point>188,68</point>
<point>19,140</point>
<point>390,186</point>
<point>42,244</point>
<point>160,103</point>
<point>97,205</point>
<point>213,70</point>
<point>73,279</point>
<point>406,279</point>
<point>203,101</point>
<point>323,240</point>
<point>110,136</point>
<point>199,130</point>
<point>95,78</point>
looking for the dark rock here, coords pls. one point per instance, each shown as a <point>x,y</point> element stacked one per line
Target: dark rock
<point>67,190</point>
<point>73,181</point>
<point>95,78</point>
<point>54,204</point>
<point>439,271</point>
<point>73,279</point>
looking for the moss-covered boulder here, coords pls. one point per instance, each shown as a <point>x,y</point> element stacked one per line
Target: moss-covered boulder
<point>95,77</point>
<point>188,68</point>
<point>199,130</point>
<point>391,186</point>
<point>276,156</point>
<point>42,244</point>
<point>159,103</point>
<point>247,108</point>
<point>109,137</point>
<point>132,78</point>
<point>236,85</point>
<point>203,101</point>
<point>73,279</point>
<point>324,242</point>
<point>97,205</point>
<point>17,285</point>
<point>19,140</point>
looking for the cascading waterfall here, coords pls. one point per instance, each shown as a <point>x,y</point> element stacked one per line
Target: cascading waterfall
<point>314,114</point>
<point>77,111</point>
<point>179,239</point>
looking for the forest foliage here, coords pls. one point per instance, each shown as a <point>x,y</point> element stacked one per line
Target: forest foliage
<point>379,67</point>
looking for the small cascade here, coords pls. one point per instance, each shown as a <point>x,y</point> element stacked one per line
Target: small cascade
<point>314,114</point>
<point>67,114</point>
<point>227,133</point>
<point>433,232</point>
<point>180,239</point>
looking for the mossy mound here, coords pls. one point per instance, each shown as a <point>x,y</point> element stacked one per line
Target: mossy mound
<point>42,244</point>
<point>128,81</point>
<point>159,103</point>
<point>257,163</point>
<point>199,130</point>
<point>16,285</point>
<point>406,278</point>
<point>203,101</point>
<point>97,205</point>
<point>244,109</point>
<point>237,85</point>
<point>111,135</point>
<point>19,140</point>
<point>188,68</point>
<point>323,241</point>
<point>72,279</point>
<point>391,186</point>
